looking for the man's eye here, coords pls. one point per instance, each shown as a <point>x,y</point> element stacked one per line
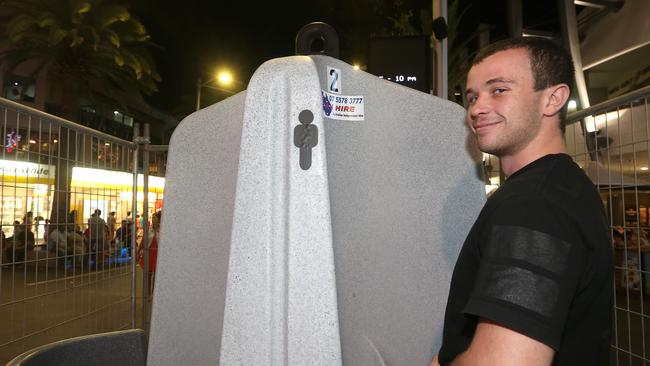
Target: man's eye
<point>471,99</point>
<point>500,90</point>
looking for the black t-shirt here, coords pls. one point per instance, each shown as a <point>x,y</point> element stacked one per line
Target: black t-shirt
<point>538,260</point>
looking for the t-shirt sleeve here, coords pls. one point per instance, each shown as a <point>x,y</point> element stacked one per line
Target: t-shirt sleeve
<point>531,261</point>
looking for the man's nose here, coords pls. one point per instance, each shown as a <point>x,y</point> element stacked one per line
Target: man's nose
<point>478,107</point>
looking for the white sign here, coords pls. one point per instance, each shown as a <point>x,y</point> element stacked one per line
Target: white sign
<point>333,80</point>
<point>343,107</point>
<point>15,168</point>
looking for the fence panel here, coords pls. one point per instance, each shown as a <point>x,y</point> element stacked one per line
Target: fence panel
<point>611,142</point>
<point>57,280</point>
<point>154,161</point>
<point>63,273</point>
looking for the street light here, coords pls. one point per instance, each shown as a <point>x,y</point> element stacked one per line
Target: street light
<point>223,78</point>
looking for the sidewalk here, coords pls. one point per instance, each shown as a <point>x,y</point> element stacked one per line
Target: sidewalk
<point>43,305</point>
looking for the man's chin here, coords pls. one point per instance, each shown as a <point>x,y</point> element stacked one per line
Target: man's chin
<point>490,149</point>
<point>485,146</point>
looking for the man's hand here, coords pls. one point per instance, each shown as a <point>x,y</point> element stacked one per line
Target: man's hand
<point>496,345</point>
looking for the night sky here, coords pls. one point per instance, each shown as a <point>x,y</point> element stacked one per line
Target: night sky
<point>196,37</point>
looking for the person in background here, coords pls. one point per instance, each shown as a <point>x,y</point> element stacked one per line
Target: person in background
<point>96,235</point>
<point>617,239</point>
<point>143,223</point>
<point>76,244</point>
<point>73,216</point>
<point>10,243</point>
<point>57,240</point>
<point>28,219</point>
<point>153,249</point>
<point>3,243</point>
<point>111,221</point>
<point>123,235</point>
<point>138,227</point>
<point>40,224</point>
<point>533,284</point>
<point>22,241</point>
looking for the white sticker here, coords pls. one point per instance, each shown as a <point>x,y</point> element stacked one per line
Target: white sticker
<point>333,80</point>
<point>343,107</point>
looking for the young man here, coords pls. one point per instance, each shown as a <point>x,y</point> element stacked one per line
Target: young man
<point>533,282</point>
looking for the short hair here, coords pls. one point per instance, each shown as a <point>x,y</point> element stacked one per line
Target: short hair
<point>550,63</point>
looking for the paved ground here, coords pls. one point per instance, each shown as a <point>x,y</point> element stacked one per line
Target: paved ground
<point>631,331</point>
<point>40,305</point>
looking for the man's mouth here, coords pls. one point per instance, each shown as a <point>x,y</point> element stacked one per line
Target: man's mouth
<point>484,126</point>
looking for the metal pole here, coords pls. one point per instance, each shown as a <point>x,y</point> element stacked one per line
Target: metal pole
<point>515,18</point>
<point>145,226</point>
<point>445,57</point>
<point>441,67</point>
<point>198,93</point>
<point>570,32</point>
<point>134,210</point>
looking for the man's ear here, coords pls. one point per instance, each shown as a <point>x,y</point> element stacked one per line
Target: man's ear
<point>555,98</point>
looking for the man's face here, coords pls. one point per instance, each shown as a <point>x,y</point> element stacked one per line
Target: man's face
<point>503,110</point>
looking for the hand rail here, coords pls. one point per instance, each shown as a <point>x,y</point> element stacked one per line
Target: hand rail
<point>64,122</point>
<point>608,104</point>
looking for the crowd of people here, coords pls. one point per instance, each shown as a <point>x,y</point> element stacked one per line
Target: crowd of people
<point>100,239</point>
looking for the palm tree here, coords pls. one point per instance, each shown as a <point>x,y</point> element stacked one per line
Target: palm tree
<point>90,45</point>
<point>83,47</point>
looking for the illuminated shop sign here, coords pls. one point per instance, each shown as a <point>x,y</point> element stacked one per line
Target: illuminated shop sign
<point>11,170</point>
<point>26,170</point>
<point>92,178</point>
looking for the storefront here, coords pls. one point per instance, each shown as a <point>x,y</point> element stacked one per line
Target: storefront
<point>26,187</point>
<point>111,191</point>
<point>29,187</point>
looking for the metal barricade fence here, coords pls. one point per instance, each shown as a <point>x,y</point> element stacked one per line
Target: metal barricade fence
<point>611,142</point>
<point>63,273</point>
<point>55,174</point>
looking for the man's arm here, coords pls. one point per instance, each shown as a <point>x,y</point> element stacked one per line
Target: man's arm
<point>496,345</point>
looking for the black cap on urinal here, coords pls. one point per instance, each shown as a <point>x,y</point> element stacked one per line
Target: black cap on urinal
<point>317,38</point>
